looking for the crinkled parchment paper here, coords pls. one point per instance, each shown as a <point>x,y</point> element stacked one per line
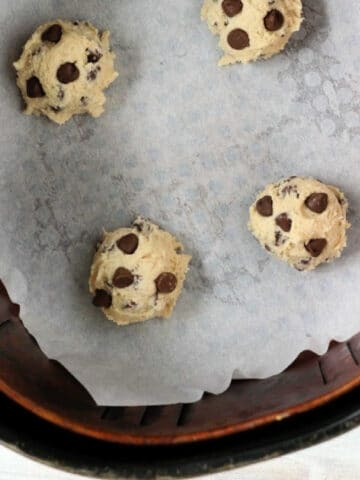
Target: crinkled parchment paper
<point>188,145</point>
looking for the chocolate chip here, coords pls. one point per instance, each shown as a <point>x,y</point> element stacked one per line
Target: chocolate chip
<point>289,189</point>
<point>232,7</point>
<point>316,246</point>
<point>139,226</point>
<point>53,34</point>
<point>91,76</point>
<point>93,57</point>
<point>107,248</point>
<point>274,20</point>
<point>67,73</point>
<point>341,201</point>
<point>284,222</point>
<point>238,39</point>
<point>123,278</point>
<point>102,299</point>
<point>267,248</point>
<point>76,23</point>
<point>34,88</point>
<point>84,101</point>
<point>264,206</point>
<point>317,202</point>
<point>278,238</point>
<point>128,244</point>
<point>166,282</point>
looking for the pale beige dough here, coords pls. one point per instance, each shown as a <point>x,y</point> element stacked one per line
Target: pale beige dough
<point>299,210</point>
<point>262,42</point>
<point>147,255</point>
<point>81,45</point>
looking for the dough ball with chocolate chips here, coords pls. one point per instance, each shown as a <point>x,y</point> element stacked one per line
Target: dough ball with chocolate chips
<point>301,220</point>
<point>252,29</point>
<point>64,69</point>
<point>138,273</point>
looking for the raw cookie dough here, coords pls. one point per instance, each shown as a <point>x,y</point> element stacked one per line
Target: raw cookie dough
<point>138,273</point>
<point>301,220</point>
<point>250,29</point>
<point>64,69</point>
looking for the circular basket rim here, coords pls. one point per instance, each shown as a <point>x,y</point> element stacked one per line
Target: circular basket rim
<point>272,441</point>
<point>127,439</point>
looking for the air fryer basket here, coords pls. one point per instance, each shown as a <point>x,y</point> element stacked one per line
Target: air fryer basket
<point>313,399</point>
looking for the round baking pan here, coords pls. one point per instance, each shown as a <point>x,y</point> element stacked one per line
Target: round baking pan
<point>314,399</point>
<point>79,454</point>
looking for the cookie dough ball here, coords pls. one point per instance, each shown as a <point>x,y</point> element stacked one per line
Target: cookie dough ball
<point>250,29</point>
<point>301,220</point>
<point>64,69</point>
<point>138,273</point>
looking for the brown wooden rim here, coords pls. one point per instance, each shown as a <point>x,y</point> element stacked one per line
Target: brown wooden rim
<point>122,438</point>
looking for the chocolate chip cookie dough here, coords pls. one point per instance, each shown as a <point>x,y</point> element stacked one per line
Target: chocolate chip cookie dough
<point>301,220</point>
<point>64,69</point>
<point>252,29</point>
<point>138,273</point>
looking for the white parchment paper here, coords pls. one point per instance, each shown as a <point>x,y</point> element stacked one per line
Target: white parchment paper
<point>188,145</point>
